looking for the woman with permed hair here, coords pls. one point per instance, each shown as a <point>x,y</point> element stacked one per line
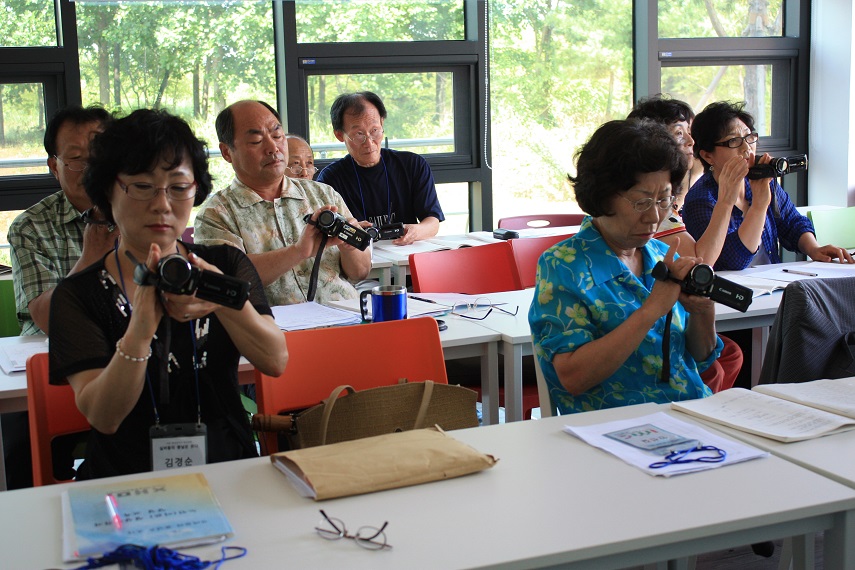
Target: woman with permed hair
<point>155,372</point>
<point>599,319</point>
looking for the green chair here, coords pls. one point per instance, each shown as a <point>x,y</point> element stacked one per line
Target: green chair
<point>835,226</point>
<point>8,313</point>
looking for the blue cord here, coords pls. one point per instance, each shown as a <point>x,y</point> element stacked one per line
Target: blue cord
<point>681,456</point>
<point>160,558</point>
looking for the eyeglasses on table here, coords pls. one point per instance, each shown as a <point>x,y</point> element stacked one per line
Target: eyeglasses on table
<point>368,537</point>
<point>479,309</point>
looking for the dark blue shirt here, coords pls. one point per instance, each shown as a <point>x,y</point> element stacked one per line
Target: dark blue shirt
<point>786,225</point>
<point>399,188</point>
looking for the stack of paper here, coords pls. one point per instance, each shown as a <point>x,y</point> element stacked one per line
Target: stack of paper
<point>312,315</point>
<point>596,435</point>
<point>13,357</point>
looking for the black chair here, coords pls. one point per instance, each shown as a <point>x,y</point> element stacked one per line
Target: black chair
<point>813,335</point>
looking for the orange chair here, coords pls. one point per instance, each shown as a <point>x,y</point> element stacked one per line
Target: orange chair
<point>475,270</point>
<point>53,413</point>
<point>470,270</point>
<point>527,252</point>
<point>363,356</point>
<point>540,221</point>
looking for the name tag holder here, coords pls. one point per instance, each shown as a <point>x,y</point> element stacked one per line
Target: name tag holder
<point>178,445</point>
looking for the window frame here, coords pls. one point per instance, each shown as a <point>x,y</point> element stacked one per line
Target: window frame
<point>58,70</point>
<point>790,101</point>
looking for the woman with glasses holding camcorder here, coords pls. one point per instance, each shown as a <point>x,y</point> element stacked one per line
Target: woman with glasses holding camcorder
<point>599,319</point>
<point>726,143</point>
<point>153,365</point>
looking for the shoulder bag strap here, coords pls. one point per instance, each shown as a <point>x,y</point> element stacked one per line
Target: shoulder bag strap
<point>423,408</point>
<point>328,406</point>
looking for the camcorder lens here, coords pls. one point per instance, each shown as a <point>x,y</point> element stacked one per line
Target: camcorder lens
<point>174,271</point>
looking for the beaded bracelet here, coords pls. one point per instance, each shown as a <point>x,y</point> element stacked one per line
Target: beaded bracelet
<point>128,356</point>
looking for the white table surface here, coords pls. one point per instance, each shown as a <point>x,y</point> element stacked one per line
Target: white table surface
<point>568,503</point>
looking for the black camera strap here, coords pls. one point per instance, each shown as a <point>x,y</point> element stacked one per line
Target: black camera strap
<point>666,348</point>
<point>313,279</point>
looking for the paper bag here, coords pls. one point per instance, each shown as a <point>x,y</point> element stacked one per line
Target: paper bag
<point>378,463</point>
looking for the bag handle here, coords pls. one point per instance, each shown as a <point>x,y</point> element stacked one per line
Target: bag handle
<point>426,396</point>
<point>328,406</point>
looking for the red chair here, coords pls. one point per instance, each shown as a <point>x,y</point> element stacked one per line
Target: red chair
<point>364,356</point>
<point>470,270</point>
<point>540,221</point>
<point>527,252</point>
<point>53,412</point>
<point>475,270</point>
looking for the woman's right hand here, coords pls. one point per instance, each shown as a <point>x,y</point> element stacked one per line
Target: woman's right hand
<point>148,310</point>
<point>731,180</point>
<point>761,190</point>
<point>664,295</point>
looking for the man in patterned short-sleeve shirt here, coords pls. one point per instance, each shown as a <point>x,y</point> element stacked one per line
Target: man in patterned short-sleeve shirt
<point>261,212</point>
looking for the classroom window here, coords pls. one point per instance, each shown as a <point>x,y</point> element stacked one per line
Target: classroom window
<point>22,129</point>
<point>731,19</point>
<point>558,71</point>
<point>699,85</point>
<point>420,109</point>
<point>332,21</point>
<point>27,23</point>
<point>191,62</point>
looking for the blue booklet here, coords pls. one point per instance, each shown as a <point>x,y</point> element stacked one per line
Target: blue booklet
<point>175,511</point>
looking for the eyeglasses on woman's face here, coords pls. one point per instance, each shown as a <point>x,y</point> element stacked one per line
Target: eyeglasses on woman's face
<point>644,204</point>
<point>736,142</point>
<point>144,191</point>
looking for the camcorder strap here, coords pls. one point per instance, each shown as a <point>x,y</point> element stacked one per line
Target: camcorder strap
<point>313,279</point>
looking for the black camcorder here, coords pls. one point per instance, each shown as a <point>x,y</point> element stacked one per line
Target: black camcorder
<point>778,167</point>
<point>702,281</point>
<point>335,225</point>
<point>174,274</point>
<point>389,231</point>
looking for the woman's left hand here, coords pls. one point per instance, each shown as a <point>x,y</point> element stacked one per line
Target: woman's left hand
<point>829,253</point>
<point>185,308</point>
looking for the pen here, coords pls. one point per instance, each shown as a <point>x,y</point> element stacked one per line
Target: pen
<point>805,273</point>
<point>422,299</point>
<point>113,509</point>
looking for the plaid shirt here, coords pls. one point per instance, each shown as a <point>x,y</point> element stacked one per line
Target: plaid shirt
<point>239,217</point>
<point>46,241</point>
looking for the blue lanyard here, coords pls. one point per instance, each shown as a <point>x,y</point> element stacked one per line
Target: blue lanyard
<point>388,188</point>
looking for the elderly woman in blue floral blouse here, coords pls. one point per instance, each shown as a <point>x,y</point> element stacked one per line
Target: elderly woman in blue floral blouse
<point>599,319</point>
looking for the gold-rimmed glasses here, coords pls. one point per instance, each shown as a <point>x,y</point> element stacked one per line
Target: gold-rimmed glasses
<point>376,135</point>
<point>479,309</point>
<point>645,204</point>
<point>368,537</point>
<point>78,165</point>
<point>297,170</point>
<point>143,191</point>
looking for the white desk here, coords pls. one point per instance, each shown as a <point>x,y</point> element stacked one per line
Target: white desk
<point>572,505</point>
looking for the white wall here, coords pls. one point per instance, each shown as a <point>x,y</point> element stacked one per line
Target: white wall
<point>831,146</point>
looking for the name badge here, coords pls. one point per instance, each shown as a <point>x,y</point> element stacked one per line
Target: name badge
<point>178,445</point>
